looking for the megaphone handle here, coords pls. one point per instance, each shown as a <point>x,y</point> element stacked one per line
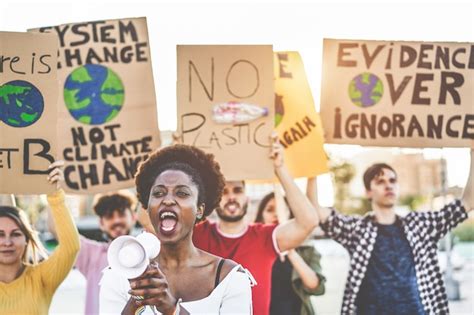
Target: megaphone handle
<point>141,309</point>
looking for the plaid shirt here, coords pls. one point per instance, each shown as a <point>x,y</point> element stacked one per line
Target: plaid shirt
<point>423,230</point>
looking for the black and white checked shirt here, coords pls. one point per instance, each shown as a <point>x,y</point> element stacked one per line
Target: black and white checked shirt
<point>423,230</point>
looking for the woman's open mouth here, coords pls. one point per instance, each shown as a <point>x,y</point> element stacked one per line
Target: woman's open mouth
<point>168,222</point>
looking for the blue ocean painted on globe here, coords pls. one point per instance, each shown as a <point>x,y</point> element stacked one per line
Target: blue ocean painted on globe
<point>21,103</point>
<point>93,94</point>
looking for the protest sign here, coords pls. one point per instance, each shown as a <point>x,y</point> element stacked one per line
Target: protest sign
<point>28,111</point>
<point>296,120</point>
<point>390,93</point>
<point>108,118</point>
<point>226,106</point>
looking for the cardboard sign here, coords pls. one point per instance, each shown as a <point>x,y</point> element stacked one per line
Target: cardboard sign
<point>297,122</point>
<point>409,94</point>
<point>225,106</point>
<point>108,116</point>
<point>28,111</point>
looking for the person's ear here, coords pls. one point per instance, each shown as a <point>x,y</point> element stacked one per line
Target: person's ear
<point>200,211</point>
<point>368,194</point>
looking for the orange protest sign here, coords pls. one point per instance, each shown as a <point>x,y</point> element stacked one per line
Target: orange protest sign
<point>296,120</point>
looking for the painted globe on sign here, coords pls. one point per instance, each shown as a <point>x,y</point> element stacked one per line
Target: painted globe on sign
<point>365,90</point>
<point>93,94</point>
<point>21,103</point>
<point>279,109</point>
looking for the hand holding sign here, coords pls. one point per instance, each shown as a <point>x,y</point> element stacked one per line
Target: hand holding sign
<point>56,174</point>
<point>276,151</point>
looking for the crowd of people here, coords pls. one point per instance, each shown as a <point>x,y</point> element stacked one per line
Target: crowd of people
<point>229,265</point>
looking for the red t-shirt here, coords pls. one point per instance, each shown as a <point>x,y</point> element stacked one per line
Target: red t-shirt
<point>254,250</point>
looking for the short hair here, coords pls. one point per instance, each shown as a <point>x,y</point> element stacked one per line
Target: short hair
<point>106,204</point>
<point>200,166</point>
<point>374,171</point>
<point>35,250</point>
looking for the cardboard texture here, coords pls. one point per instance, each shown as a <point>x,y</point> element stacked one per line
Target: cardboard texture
<point>393,93</point>
<point>107,110</point>
<point>225,106</point>
<point>28,111</point>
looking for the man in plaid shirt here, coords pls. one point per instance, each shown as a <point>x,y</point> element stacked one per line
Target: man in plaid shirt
<point>393,260</point>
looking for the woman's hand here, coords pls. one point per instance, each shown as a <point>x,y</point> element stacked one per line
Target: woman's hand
<point>276,153</point>
<point>177,138</point>
<point>56,174</point>
<point>153,287</point>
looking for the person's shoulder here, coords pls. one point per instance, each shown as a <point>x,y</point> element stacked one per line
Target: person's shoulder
<point>234,271</point>
<point>91,243</point>
<point>261,228</point>
<point>227,266</point>
<point>205,225</point>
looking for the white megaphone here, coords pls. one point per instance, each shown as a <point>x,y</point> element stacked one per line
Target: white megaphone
<point>130,255</point>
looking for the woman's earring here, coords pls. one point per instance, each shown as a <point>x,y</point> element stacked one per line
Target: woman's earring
<point>201,212</point>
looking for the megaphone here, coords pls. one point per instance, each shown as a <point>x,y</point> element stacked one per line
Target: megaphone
<point>130,255</point>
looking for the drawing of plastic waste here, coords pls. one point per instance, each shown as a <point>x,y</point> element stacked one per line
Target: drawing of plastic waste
<point>235,112</point>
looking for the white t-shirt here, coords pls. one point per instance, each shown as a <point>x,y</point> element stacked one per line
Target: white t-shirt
<point>232,295</point>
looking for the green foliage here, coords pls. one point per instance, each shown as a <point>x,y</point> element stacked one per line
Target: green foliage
<point>464,232</point>
<point>342,174</point>
<point>413,202</point>
<point>359,205</point>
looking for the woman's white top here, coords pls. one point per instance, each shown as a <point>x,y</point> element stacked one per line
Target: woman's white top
<point>232,295</point>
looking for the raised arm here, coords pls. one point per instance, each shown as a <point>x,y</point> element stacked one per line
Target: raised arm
<point>337,226</point>
<point>312,193</point>
<point>468,194</point>
<point>293,232</point>
<point>58,265</point>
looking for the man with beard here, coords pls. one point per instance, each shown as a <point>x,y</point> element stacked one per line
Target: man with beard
<point>256,246</point>
<point>117,218</point>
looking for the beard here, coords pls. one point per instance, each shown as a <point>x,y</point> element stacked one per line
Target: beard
<point>231,218</point>
<point>109,236</point>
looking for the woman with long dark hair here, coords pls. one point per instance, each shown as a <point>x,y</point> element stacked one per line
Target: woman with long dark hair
<point>295,277</point>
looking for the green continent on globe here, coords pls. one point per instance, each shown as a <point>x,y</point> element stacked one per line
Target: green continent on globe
<point>279,109</point>
<point>94,94</point>
<point>21,103</point>
<point>71,100</point>
<point>365,90</point>
<point>8,90</point>
<point>81,75</point>
<point>112,83</point>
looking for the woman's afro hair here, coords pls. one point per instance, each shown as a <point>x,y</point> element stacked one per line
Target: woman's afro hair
<point>200,163</point>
